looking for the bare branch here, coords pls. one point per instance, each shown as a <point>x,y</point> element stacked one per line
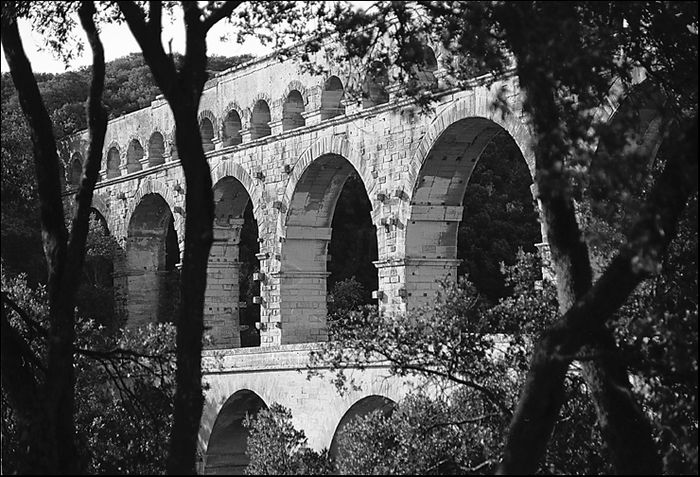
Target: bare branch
<point>220,13</point>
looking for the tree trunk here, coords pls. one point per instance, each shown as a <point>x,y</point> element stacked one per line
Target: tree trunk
<point>199,220</point>
<point>53,431</point>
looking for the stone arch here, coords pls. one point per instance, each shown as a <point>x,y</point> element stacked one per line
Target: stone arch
<point>476,106</point>
<point>260,119</point>
<point>331,98</point>
<point>156,149</point>
<point>232,125</point>
<point>113,166</point>
<point>99,204</point>
<point>228,441</point>
<point>374,85</point>
<point>207,129</point>
<point>134,156</point>
<point>155,186</point>
<point>76,169</point>
<point>292,110</point>
<point>230,169</point>
<point>230,312</point>
<point>335,145</point>
<point>360,409</point>
<point>638,118</point>
<point>449,152</point>
<point>308,233</point>
<point>151,278</point>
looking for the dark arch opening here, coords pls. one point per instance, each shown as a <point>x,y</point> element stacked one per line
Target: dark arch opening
<point>95,296</point>
<point>234,260</point>
<point>152,255</point>
<point>360,409</point>
<point>232,129</point>
<point>476,164</point>
<point>226,450</point>
<point>374,85</point>
<point>352,249</point>
<point>134,154</point>
<point>309,234</point>
<point>291,111</point>
<point>156,149</point>
<point>76,170</point>
<point>206,129</point>
<point>331,98</point>
<point>259,124</point>
<point>113,163</point>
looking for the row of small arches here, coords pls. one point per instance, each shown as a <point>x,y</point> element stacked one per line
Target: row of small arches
<point>374,92</point>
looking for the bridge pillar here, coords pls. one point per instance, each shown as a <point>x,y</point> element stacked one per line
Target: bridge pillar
<point>221,298</point>
<point>302,285</point>
<point>409,283</point>
<point>144,290</point>
<point>429,256</point>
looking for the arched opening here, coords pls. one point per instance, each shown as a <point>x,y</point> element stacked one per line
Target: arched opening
<point>76,170</point>
<point>156,149</point>
<point>113,163</point>
<point>232,129</point>
<point>226,450</point>
<point>152,255</point>
<point>229,308</point>
<point>471,204</point>
<point>614,195</point>
<point>206,129</point>
<point>291,111</point>
<point>425,65</point>
<point>134,154</point>
<point>352,250</point>
<point>360,409</point>
<point>309,231</point>
<point>95,296</point>
<point>374,85</point>
<point>331,97</point>
<point>259,126</point>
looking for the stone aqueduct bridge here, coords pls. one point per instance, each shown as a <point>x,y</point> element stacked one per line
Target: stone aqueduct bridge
<point>286,141</point>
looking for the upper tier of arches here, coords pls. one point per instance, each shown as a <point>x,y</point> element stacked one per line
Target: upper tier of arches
<point>145,139</point>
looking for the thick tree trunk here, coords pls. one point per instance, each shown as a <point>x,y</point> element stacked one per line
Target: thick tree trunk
<point>199,220</point>
<point>624,427</point>
<point>53,431</point>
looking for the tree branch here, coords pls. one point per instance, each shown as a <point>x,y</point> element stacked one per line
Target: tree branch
<point>220,13</point>
<point>163,67</point>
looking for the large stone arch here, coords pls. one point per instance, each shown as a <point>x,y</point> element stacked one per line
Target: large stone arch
<point>438,176</point>
<point>308,215</point>
<point>148,274</point>
<point>226,442</point>
<point>99,204</point>
<point>337,145</point>
<point>477,104</point>
<point>227,168</point>
<point>155,186</point>
<point>229,313</point>
<point>360,409</point>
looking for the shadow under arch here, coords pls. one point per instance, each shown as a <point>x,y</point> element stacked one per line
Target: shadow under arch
<point>229,309</point>
<point>309,230</point>
<point>446,226</point>
<point>360,409</point>
<point>228,441</point>
<point>152,254</point>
